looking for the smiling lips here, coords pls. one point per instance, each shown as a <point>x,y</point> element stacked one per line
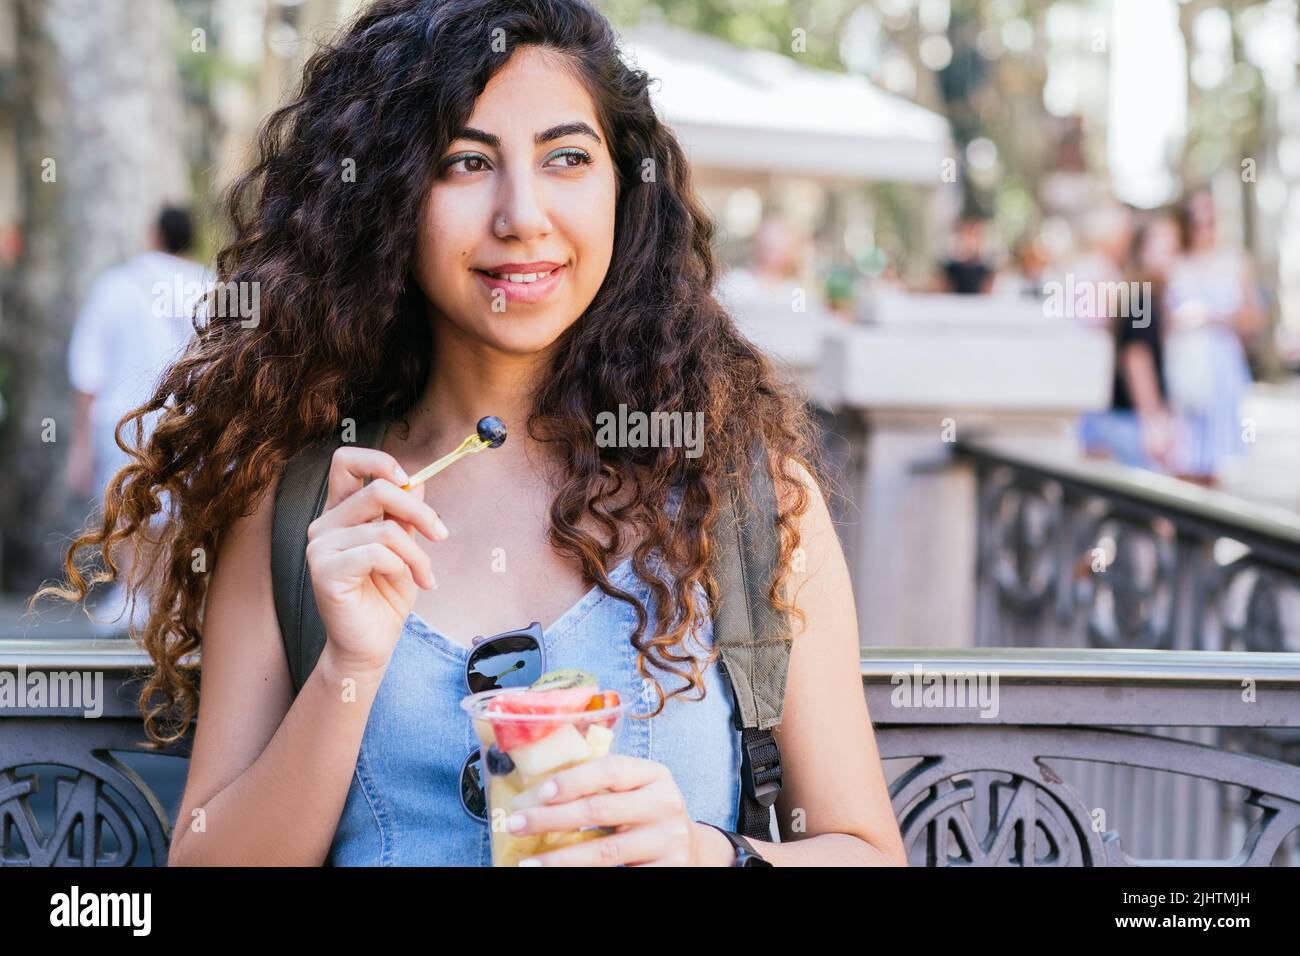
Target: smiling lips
<point>523,281</point>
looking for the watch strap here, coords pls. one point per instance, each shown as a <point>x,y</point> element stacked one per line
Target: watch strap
<point>745,854</point>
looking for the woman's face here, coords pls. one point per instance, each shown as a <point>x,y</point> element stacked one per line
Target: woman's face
<point>528,188</point>
<point>1159,246</point>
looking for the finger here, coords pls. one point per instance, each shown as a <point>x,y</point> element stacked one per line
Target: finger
<point>608,808</point>
<point>418,492</point>
<point>387,532</point>
<point>366,560</point>
<point>664,841</point>
<point>381,499</point>
<point>350,467</point>
<point>611,772</point>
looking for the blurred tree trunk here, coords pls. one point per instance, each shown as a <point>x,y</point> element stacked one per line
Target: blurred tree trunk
<point>97,115</point>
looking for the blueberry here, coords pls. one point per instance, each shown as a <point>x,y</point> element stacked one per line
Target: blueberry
<point>492,430</point>
<point>499,764</point>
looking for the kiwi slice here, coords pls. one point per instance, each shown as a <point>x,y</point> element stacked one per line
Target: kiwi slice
<point>564,679</point>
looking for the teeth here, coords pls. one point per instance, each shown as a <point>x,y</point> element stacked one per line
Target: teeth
<point>520,276</point>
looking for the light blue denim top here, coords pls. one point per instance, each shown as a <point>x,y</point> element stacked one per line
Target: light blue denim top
<point>403,807</point>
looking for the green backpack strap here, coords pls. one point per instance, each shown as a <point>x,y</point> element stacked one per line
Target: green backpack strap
<point>299,499</point>
<point>752,638</point>
<point>753,641</point>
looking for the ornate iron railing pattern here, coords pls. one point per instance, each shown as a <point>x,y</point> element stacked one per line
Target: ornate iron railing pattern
<point>1020,787</point>
<point>969,789</point>
<point>1095,554</point>
<point>68,794</point>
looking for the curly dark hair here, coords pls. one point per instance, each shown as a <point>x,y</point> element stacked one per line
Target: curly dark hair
<point>344,333</point>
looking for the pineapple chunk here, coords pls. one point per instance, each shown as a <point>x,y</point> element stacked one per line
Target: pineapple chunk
<point>508,849</point>
<point>484,730</point>
<point>599,737</point>
<point>564,746</point>
<point>500,792</point>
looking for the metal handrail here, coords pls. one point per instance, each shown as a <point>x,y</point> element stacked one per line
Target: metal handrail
<point>1225,512</point>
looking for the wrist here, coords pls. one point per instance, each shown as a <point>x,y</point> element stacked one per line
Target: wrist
<point>715,849</point>
<point>333,670</point>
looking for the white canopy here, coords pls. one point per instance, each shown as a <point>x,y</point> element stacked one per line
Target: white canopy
<point>742,109</point>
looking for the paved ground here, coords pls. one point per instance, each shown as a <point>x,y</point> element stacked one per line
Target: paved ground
<point>1271,471</point>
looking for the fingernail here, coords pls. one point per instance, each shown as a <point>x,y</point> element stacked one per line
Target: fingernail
<point>442,528</point>
<point>529,861</point>
<point>402,477</point>
<point>515,822</point>
<point>548,790</point>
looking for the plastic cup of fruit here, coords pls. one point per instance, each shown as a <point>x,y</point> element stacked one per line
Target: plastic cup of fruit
<point>521,750</point>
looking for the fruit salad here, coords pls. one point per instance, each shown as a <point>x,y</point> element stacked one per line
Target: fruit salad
<point>562,720</point>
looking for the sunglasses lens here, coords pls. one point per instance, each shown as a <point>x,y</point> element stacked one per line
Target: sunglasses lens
<point>511,661</point>
<point>472,796</point>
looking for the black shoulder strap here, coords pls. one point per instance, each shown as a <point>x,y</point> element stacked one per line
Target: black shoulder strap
<point>753,641</point>
<point>299,499</point>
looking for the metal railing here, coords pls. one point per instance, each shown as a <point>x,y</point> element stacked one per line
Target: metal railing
<point>1095,554</point>
<point>1006,780</point>
<point>78,790</point>
<point>1037,757</point>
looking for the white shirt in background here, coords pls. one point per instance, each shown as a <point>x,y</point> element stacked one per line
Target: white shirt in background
<point>129,330</point>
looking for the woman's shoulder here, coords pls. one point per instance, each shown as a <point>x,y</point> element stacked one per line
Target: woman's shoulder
<point>247,540</point>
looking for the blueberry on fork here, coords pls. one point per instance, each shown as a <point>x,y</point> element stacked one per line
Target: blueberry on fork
<point>492,430</point>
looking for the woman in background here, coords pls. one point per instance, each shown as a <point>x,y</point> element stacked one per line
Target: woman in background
<point>1137,429</point>
<point>1212,306</point>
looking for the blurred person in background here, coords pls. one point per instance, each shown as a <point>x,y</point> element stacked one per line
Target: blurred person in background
<point>1137,429</point>
<point>1106,237</point>
<point>966,271</point>
<point>1213,307</point>
<point>128,330</point>
<point>1022,275</point>
<point>775,270</point>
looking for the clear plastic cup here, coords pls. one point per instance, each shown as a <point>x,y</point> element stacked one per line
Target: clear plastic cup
<point>537,747</point>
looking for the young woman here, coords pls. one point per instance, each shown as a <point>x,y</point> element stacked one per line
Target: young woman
<point>1214,308</point>
<point>471,209</point>
<point>1138,429</point>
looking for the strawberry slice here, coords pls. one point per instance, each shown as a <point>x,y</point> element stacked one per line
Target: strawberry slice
<point>514,733</point>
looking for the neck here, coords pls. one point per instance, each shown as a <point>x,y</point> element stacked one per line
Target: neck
<point>469,379</point>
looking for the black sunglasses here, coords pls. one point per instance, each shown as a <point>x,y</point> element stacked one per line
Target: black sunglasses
<point>511,659</point>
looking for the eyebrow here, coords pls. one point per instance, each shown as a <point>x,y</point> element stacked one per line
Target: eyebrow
<point>545,136</point>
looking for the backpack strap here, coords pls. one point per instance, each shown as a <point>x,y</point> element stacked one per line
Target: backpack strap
<point>753,642</point>
<point>299,499</point>
<point>752,638</point>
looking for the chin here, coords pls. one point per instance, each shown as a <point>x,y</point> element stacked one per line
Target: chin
<point>520,335</point>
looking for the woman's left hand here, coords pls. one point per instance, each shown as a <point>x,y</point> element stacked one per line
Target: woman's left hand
<point>637,798</point>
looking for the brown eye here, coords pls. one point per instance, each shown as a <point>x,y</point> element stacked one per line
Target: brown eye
<point>450,165</point>
<point>572,158</point>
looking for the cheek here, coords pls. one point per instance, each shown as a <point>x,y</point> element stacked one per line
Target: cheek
<point>445,242</point>
<point>592,229</point>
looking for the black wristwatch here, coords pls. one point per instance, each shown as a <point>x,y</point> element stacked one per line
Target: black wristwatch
<point>746,855</point>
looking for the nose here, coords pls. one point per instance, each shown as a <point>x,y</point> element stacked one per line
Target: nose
<point>521,212</point>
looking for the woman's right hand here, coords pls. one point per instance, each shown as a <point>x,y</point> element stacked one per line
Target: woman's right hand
<point>366,566</point>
